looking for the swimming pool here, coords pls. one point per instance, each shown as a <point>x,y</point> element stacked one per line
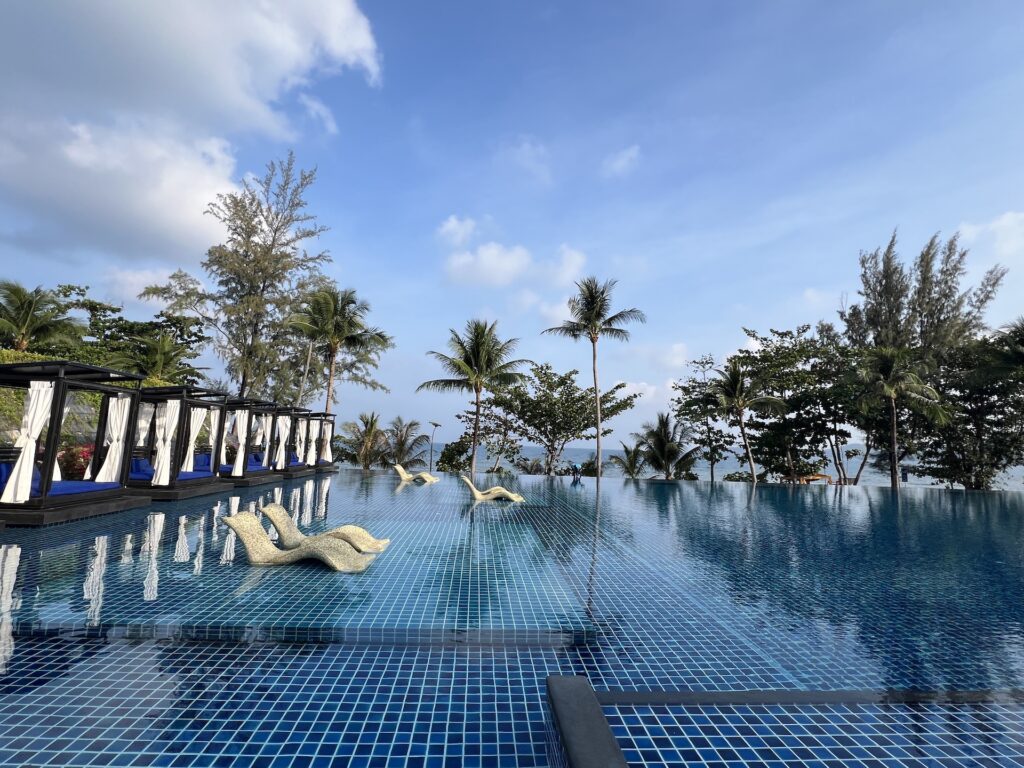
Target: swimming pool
<point>437,655</point>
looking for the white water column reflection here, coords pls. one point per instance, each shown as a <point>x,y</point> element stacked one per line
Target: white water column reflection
<point>151,547</point>
<point>92,587</point>
<point>10,557</point>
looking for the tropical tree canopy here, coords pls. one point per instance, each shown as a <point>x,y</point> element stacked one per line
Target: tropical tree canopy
<point>29,318</point>
<point>663,445</point>
<point>737,395</point>
<point>632,463</point>
<point>591,317</point>
<point>159,357</point>
<point>363,442</point>
<point>477,360</point>
<point>406,444</point>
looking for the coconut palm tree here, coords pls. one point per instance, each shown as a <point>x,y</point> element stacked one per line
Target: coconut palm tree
<point>662,444</point>
<point>479,360</point>
<point>364,442</point>
<point>591,318</point>
<point>736,394</point>
<point>334,321</point>
<point>159,357</point>
<point>1008,351</point>
<point>892,375</point>
<point>632,463</point>
<point>30,318</point>
<point>406,444</point>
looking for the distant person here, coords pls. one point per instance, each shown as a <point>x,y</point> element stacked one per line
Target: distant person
<point>577,473</point>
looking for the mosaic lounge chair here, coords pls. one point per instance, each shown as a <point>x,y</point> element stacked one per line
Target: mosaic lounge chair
<point>335,553</point>
<point>425,477</point>
<point>291,537</point>
<point>491,494</point>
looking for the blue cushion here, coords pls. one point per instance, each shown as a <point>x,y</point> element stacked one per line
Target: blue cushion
<point>140,469</point>
<point>194,475</point>
<point>6,467</point>
<point>201,462</point>
<point>225,469</point>
<point>68,487</point>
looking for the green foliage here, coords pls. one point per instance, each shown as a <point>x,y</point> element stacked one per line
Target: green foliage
<point>31,319</point>
<point>363,442</point>
<point>334,322</point>
<point>406,444</point>
<point>257,275</point>
<point>663,443</point>
<point>475,362</point>
<point>737,394</point>
<point>159,356</point>
<point>632,463</point>
<point>497,433</point>
<point>455,456</point>
<point>551,410</point>
<point>697,411</point>
<point>983,432</point>
<point>591,317</point>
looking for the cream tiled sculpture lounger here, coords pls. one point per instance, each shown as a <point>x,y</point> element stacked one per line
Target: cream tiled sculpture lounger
<point>491,494</point>
<point>290,536</point>
<point>338,554</point>
<point>420,477</point>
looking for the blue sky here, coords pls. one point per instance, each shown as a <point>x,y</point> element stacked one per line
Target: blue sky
<point>726,161</point>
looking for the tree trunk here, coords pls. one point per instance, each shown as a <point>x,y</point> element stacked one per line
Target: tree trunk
<point>597,402</point>
<point>867,452</point>
<point>330,383</point>
<point>711,461</point>
<point>894,478</point>
<point>22,344</point>
<point>305,373</point>
<point>476,436</point>
<point>746,447</point>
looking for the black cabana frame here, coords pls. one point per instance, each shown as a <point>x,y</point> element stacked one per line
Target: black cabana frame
<point>68,376</point>
<point>190,397</point>
<point>301,469</point>
<point>324,418</point>
<point>255,408</point>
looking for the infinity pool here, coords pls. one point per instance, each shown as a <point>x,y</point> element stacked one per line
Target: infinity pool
<point>797,626</point>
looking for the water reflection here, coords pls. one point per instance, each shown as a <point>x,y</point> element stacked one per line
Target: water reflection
<point>92,588</point>
<point>10,557</point>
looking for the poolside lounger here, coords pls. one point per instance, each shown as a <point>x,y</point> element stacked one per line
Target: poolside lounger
<point>338,554</point>
<point>491,494</point>
<point>425,477</point>
<point>291,536</point>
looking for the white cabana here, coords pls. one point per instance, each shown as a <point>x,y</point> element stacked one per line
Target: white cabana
<point>38,402</point>
<point>300,437</point>
<point>118,408</point>
<point>214,426</point>
<point>196,421</point>
<point>242,433</point>
<point>266,430</point>
<point>167,414</point>
<point>311,447</point>
<point>326,436</point>
<point>284,428</point>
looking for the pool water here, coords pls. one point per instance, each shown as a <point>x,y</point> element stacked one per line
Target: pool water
<point>145,638</point>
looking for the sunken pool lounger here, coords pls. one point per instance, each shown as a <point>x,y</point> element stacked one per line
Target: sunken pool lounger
<point>335,553</point>
<point>491,494</point>
<point>291,536</point>
<point>422,477</point>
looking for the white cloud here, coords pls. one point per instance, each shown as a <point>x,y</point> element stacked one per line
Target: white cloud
<point>490,264</point>
<point>552,312</point>
<point>676,356</point>
<point>999,241</point>
<point>456,231</point>
<point>123,286</point>
<point>116,117</point>
<point>320,112</point>
<point>621,163</point>
<point>569,266</point>
<point>647,391</point>
<point>531,156</point>
<point>1006,232</point>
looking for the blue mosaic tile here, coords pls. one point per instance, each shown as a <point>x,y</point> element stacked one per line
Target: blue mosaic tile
<point>449,636</point>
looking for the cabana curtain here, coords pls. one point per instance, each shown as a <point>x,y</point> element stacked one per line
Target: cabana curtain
<point>37,411</point>
<point>166,426</point>
<point>214,426</point>
<point>314,435</point>
<point>142,423</point>
<point>196,420</point>
<point>267,425</point>
<point>284,428</point>
<point>300,438</point>
<point>242,432</point>
<point>326,452</point>
<point>117,429</point>
<point>229,425</point>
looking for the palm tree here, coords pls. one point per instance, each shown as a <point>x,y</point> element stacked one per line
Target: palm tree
<point>334,321</point>
<point>29,318</point>
<point>661,443</point>
<point>406,444</point>
<point>632,463</point>
<point>892,375</point>
<point>478,361</point>
<point>159,357</point>
<point>737,394</point>
<point>364,442</point>
<point>1008,352</point>
<point>529,466</point>
<point>592,318</point>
